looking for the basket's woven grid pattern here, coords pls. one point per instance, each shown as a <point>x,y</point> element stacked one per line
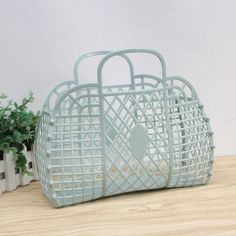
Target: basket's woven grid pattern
<point>129,174</point>
<point>84,146</point>
<point>191,136</point>
<point>75,153</point>
<point>56,93</point>
<point>41,147</point>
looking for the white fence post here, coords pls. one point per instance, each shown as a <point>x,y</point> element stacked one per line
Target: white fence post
<point>35,170</point>
<point>9,166</point>
<point>26,179</point>
<point>9,178</point>
<point>2,177</point>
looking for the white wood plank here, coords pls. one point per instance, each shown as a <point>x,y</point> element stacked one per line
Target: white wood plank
<point>2,186</point>
<point>35,170</point>
<point>2,180</point>
<point>17,180</point>
<point>9,165</point>
<point>29,159</point>
<point>1,167</point>
<point>26,179</point>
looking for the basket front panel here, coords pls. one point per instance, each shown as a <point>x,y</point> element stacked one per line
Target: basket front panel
<point>131,117</point>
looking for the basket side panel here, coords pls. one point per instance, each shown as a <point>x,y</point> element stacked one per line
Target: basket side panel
<point>192,136</point>
<point>41,151</point>
<point>75,152</point>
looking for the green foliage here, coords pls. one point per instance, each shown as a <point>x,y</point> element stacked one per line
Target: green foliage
<point>17,128</point>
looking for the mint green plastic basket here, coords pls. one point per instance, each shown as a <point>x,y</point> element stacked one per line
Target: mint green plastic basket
<point>95,140</point>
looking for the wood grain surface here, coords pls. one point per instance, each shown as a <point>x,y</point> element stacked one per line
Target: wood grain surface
<point>203,210</point>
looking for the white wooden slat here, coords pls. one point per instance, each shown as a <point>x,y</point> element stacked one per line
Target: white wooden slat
<point>35,171</point>
<point>1,167</point>
<point>2,180</point>
<point>29,159</point>
<point>26,179</point>
<point>2,186</point>
<point>9,166</point>
<point>17,179</point>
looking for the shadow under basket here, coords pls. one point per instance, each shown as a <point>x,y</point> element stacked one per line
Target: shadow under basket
<point>95,140</point>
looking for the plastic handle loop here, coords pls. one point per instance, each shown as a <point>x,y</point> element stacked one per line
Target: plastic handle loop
<point>123,53</point>
<point>83,57</point>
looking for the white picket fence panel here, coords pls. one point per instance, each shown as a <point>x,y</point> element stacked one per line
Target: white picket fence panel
<point>9,178</point>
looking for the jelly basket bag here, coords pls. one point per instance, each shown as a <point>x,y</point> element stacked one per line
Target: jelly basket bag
<point>95,140</point>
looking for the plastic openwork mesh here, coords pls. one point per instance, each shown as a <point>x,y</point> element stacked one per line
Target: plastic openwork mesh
<point>96,140</point>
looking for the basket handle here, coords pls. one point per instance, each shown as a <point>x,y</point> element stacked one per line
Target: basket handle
<point>123,53</point>
<point>83,57</point>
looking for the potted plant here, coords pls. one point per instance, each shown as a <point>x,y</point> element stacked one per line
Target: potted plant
<point>17,133</point>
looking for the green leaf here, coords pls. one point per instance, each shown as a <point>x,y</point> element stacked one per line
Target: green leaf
<point>4,146</point>
<point>18,136</point>
<point>17,128</point>
<point>7,139</point>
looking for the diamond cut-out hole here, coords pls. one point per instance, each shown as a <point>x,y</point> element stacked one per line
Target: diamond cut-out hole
<point>139,141</point>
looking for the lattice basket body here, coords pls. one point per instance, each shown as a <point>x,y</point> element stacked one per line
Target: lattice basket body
<point>95,140</point>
